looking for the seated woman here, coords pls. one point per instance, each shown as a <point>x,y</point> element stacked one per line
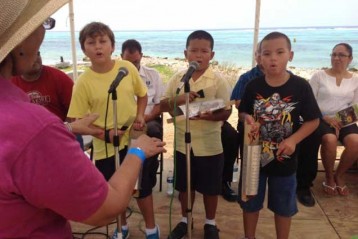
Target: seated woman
<point>335,89</point>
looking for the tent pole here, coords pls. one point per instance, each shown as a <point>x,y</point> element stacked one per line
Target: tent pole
<point>256,31</point>
<point>73,41</point>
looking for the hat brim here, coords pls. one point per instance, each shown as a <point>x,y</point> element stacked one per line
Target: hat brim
<point>33,15</point>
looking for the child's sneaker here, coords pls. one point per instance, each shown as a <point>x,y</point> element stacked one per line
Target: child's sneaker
<point>125,234</point>
<point>179,231</point>
<point>211,232</point>
<point>155,235</point>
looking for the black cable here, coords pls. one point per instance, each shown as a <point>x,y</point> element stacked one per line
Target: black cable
<point>91,231</point>
<point>105,124</point>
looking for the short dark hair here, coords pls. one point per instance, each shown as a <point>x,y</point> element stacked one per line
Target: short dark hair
<point>275,35</point>
<point>132,45</point>
<point>347,46</point>
<point>200,34</point>
<point>94,28</point>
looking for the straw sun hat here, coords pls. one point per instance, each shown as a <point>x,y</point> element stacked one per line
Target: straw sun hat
<point>19,18</point>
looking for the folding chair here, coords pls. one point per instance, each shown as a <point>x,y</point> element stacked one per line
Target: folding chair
<point>160,159</point>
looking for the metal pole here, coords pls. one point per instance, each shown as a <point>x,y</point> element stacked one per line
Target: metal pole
<point>116,152</point>
<point>188,159</point>
<point>256,30</point>
<point>73,41</point>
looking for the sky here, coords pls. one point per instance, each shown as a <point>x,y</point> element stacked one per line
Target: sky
<point>208,14</point>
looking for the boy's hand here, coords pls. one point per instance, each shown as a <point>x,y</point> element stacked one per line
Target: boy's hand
<point>139,123</point>
<point>192,96</point>
<point>207,115</point>
<point>110,135</point>
<point>286,148</point>
<point>254,129</point>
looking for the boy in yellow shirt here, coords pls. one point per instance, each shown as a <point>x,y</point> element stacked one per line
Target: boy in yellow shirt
<point>207,158</point>
<point>90,94</point>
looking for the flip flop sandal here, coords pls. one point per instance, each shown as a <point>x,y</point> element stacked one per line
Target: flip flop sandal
<point>329,190</point>
<point>343,191</point>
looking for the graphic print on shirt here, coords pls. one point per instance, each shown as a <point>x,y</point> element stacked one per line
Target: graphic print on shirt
<point>37,98</point>
<point>273,114</point>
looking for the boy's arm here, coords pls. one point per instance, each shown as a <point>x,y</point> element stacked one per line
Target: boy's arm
<point>167,104</point>
<point>219,115</point>
<point>139,121</point>
<point>288,146</point>
<point>153,114</point>
<point>237,92</point>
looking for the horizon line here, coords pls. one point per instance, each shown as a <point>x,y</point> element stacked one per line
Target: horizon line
<point>223,29</point>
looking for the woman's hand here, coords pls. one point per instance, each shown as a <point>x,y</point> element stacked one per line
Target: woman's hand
<point>334,123</point>
<point>85,125</point>
<point>150,146</point>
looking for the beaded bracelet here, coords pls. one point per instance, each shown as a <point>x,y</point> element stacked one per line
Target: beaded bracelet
<point>137,152</point>
<point>68,126</point>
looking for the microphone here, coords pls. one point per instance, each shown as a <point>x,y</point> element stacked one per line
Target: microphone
<point>122,72</point>
<point>193,66</point>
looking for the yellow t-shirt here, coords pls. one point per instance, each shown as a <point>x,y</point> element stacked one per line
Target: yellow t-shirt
<point>205,134</point>
<point>90,95</point>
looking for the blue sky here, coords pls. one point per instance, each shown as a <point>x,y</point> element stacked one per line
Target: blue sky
<point>208,14</point>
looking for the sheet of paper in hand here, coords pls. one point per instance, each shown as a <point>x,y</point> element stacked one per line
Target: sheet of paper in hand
<point>348,115</point>
<point>250,164</point>
<point>200,107</point>
<point>197,108</point>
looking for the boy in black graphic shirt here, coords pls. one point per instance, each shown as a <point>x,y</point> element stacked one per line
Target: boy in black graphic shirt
<point>276,101</point>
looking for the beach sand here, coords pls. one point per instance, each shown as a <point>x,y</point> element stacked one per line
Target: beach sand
<point>228,70</point>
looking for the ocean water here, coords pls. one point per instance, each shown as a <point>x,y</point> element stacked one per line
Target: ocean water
<point>311,46</point>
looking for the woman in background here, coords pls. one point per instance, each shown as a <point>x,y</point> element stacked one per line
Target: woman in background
<point>335,89</point>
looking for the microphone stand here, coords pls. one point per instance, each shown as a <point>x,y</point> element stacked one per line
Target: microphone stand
<point>188,160</point>
<point>116,151</point>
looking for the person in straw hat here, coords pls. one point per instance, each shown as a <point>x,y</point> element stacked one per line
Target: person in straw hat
<point>41,186</point>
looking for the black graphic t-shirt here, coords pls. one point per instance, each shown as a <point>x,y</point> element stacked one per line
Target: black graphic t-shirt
<point>278,110</point>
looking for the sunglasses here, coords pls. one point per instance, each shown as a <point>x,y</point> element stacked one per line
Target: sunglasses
<point>339,55</point>
<point>49,23</point>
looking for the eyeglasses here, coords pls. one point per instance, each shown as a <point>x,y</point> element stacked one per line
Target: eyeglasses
<point>340,55</point>
<point>49,23</point>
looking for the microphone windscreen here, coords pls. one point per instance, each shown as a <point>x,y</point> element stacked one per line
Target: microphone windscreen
<point>194,65</point>
<point>123,70</point>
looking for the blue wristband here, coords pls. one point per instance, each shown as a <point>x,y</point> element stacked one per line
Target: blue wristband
<point>137,152</point>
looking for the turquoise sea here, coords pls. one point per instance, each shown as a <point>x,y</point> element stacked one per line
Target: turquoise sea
<point>312,45</point>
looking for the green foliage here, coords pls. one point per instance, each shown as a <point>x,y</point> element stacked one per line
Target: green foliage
<point>166,72</point>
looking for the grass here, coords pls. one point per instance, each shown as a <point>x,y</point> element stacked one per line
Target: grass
<point>228,70</point>
<point>165,71</point>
